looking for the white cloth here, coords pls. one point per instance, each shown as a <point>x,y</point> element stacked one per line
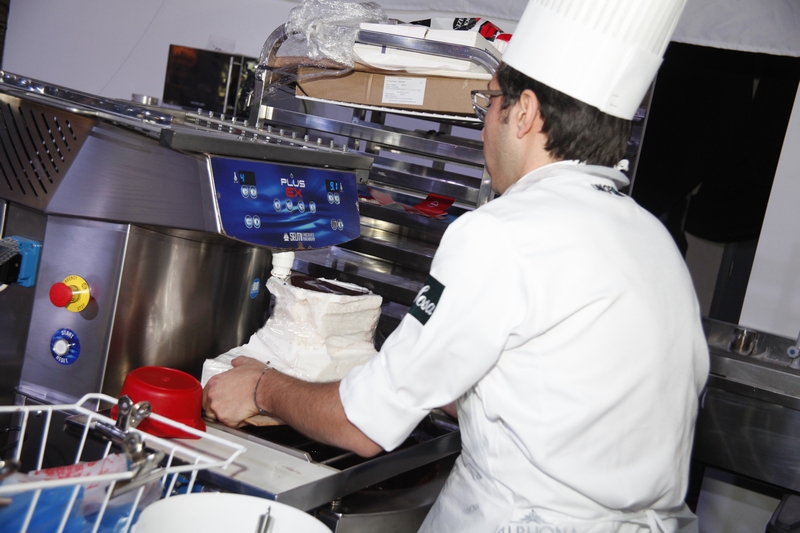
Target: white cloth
<point>569,330</point>
<point>313,336</point>
<point>761,26</point>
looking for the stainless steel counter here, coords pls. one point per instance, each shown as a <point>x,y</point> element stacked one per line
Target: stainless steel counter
<point>309,476</point>
<point>749,418</point>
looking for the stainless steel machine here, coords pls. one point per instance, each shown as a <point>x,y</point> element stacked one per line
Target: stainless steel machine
<point>157,234</point>
<point>155,231</point>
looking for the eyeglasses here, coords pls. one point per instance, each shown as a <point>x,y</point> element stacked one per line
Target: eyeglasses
<point>481,100</point>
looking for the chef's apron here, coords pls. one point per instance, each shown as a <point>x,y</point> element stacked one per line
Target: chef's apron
<point>470,503</point>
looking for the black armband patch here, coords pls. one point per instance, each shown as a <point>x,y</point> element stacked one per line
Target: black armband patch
<point>427,299</point>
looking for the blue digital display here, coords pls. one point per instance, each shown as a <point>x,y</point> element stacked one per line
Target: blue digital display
<point>285,206</point>
<point>247,177</point>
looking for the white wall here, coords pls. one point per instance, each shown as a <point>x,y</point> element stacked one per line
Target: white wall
<point>115,48</point>
<point>772,301</point>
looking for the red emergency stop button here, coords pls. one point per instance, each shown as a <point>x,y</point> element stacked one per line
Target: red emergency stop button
<point>60,294</point>
<point>72,292</point>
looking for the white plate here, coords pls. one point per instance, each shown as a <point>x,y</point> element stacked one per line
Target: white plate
<point>213,512</point>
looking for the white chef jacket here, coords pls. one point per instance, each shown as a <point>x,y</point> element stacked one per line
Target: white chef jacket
<point>569,331</point>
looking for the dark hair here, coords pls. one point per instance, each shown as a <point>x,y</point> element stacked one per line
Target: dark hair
<point>575,130</point>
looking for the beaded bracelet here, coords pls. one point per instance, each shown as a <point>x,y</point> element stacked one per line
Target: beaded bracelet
<point>255,391</point>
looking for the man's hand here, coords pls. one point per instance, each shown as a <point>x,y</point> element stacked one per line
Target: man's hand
<point>313,409</point>
<point>228,397</point>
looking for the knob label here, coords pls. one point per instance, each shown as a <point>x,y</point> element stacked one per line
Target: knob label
<point>65,347</point>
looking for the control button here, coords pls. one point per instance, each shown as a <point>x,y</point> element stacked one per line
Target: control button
<point>248,221</point>
<point>334,224</point>
<point>336,198</point>
<point>60,294</point>
<point>245,191</point>
<point>339,225</point>
<point>330,197</point>
<point>73,293</point>
<point>60,347</point>
<point>253,192</point>
<point>312,207</point>
<point>256,221</point>
<point>301,206</point>
<point>65,347</point>
<point>289,205</point>
<point>276,204</point>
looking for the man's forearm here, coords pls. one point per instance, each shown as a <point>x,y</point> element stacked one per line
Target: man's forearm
<point>314,409</point>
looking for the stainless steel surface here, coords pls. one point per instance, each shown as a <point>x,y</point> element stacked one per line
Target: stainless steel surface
<point>268,77</point>
<point>767,358</point>
<point>96,250</point>
<point>54,136</point>
<point>290,151</point>
<point>750,437</point>
<point>264,521</point>
<point>398,284</point>
<point>749,418</point>
<point>405,175</point>
<point>189,299</point>
<point>386,136</point>
<point>393,247</point>
<point>158,299</point>
<point>66,99</point>
<point>222,128</point>
<point>144,99</point>
<point>112,173</point>
<point>485,192</point>
<point>475,55</point>
<point>398,505</point>
<point>31,175</point>
<point>743,341</point>
<point>427,444</point>
<point>8,467</point>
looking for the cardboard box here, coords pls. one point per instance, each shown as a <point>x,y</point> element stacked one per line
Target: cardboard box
<point>419,93</point>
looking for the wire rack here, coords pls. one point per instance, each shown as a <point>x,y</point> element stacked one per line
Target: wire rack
<point>160,460</point>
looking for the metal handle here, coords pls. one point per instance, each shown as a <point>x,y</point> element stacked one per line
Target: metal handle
<point>124,409</point>
<point>263,526</point>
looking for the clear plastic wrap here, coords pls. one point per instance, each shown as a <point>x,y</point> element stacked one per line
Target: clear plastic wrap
<point>319,34</point>
<point>313,336</point>
<point>329,27</point>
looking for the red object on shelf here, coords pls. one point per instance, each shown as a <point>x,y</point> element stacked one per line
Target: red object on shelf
<point>172,393</point>
<point>434,205</point>
<point>60,294</point>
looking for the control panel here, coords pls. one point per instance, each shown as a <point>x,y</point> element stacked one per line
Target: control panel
<point>286,206</point>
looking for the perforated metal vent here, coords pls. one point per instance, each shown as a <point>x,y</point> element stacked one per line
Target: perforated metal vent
<point>37,146</point>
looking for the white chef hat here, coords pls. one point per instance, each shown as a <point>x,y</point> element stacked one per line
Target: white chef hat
<point>602,52</point>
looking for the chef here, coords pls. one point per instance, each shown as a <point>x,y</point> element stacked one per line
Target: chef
<point>560,317</point>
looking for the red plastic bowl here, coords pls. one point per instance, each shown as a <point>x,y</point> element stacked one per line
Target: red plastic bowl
<point>172,393</point>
